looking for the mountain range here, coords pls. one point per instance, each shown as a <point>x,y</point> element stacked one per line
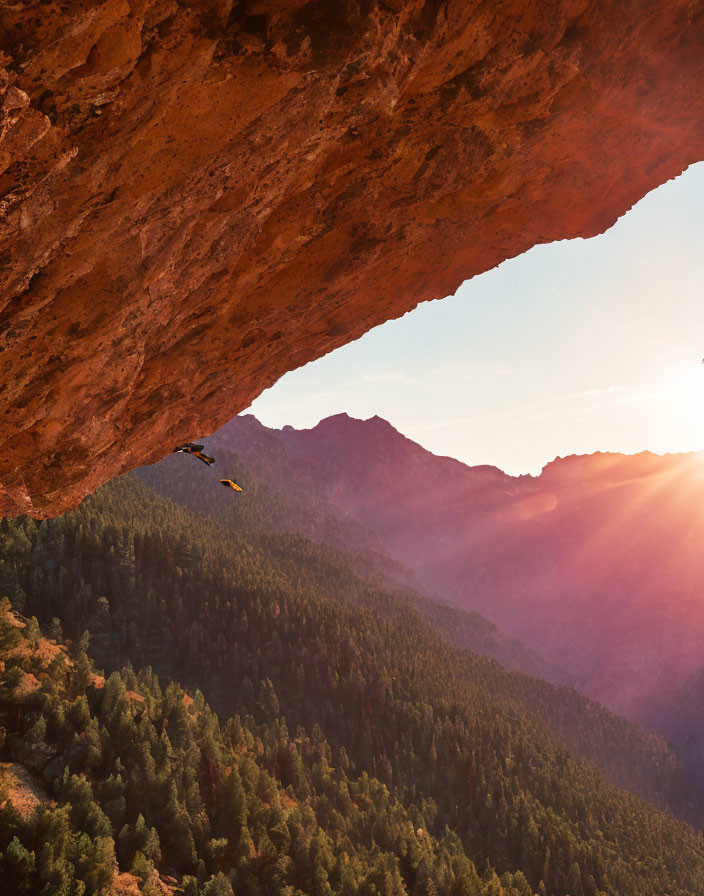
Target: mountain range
<point>594,567</point>
<point>312,715</point>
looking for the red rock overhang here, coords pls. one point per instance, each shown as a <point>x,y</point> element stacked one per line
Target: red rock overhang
<point>197,197</point>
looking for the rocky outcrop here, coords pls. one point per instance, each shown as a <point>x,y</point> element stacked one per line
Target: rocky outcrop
<point>197,197</point>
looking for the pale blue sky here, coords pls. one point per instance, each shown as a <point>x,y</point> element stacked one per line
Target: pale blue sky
<point>574,347</point>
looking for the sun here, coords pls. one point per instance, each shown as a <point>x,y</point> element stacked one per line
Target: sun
<point>682,396</point>
<point>688,381</point>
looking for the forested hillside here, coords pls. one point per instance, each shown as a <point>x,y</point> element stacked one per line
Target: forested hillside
<point>596,564</point>
<point>143,787</point>
<point>275,626</point>
<point>684,724</point>
<point>279,501</point>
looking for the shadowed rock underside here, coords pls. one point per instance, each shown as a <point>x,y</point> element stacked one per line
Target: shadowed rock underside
<point>197,197</point>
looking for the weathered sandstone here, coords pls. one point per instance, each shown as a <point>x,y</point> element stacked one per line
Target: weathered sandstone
<point>197,197</point>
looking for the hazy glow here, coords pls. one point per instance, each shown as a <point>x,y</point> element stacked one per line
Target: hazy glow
<point>574,347</point>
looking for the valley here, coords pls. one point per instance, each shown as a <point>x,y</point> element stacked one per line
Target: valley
<point>289,616</point>
<point>594,565</point>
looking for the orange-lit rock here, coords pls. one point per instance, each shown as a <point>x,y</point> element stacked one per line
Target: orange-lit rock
<point>197,197</point>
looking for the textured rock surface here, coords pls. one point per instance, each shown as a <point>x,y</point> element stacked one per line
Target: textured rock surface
<point>196,197</point>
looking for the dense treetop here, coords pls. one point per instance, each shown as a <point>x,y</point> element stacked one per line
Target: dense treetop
<point>397,728</point>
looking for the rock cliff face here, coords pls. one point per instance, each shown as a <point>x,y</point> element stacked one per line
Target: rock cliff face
<point>197,197</point>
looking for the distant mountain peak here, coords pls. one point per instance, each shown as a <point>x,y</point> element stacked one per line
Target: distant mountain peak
<point>346,420</point>
<point>613,466</point>
<point>346,433</point>
<point>342,418</point>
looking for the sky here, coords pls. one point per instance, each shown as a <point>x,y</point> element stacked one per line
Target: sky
<point>574,347</point>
